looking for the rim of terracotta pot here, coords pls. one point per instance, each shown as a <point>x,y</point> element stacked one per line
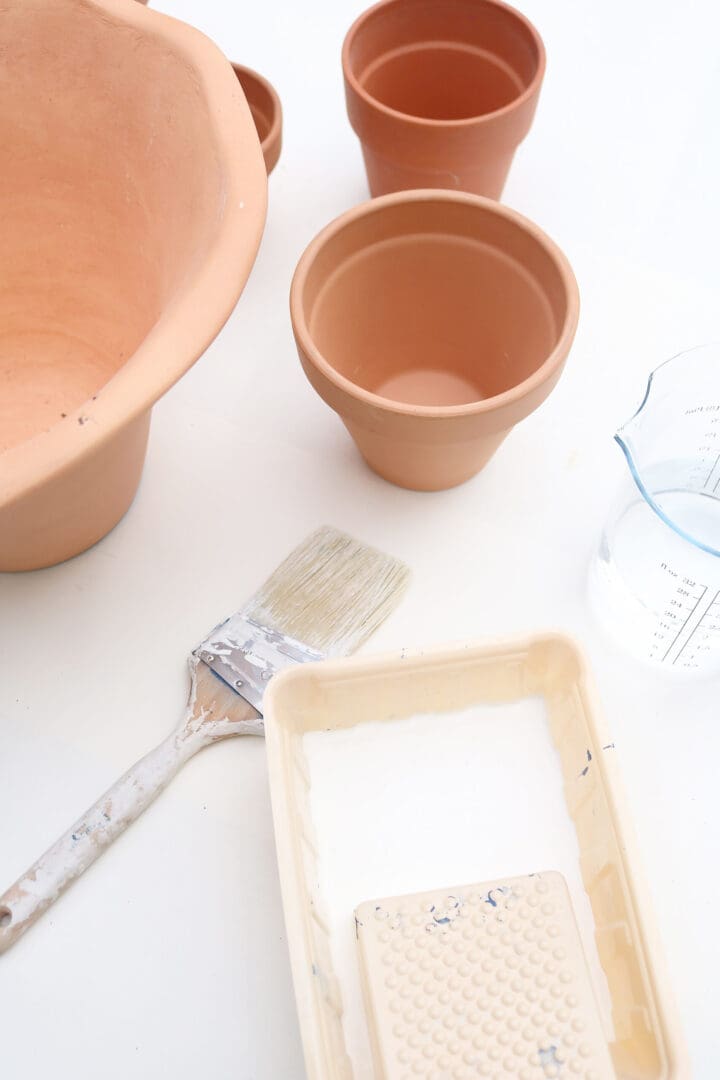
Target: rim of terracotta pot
<point>212,287</point>
<point>423,121</point>
<point>271,144</point>
<point>549,366</point>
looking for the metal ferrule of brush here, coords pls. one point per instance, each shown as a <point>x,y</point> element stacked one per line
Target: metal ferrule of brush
<point>246,655</point>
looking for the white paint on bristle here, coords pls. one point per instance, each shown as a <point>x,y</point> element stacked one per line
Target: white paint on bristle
<point>331,593</point>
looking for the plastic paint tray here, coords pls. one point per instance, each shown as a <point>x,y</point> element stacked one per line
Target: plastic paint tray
<point>642,1037</point>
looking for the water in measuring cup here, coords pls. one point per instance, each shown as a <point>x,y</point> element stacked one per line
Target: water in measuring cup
<point>653,588</point>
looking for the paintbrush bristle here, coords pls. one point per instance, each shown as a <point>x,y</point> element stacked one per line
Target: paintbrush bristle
<point>331,592</point>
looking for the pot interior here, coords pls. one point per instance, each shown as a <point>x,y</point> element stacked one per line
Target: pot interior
<point>443,59</point>
<point>435,302</point>
<point>110,190</point>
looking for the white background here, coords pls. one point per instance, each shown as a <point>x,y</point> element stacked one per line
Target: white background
<point>169,958</point>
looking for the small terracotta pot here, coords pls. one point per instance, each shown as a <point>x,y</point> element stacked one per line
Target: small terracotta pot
<point>432,322</point>
<point>266,112</point>
<point>441,92</point>
<point>133,197</point>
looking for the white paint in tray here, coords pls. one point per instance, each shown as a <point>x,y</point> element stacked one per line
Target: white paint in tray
<point>430,801</point>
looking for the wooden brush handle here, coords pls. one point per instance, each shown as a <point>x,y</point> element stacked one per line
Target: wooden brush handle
<point>214,712</point>
<point>85,841</point>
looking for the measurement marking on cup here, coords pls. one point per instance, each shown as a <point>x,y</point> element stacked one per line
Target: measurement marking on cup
<point>712,470</point>
<point>674,640</point>
<point>697,624</point>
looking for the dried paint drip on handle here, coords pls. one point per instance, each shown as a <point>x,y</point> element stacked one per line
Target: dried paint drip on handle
<point>331,587</point>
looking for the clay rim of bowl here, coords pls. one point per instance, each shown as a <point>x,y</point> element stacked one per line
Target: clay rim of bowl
<point>271,143</point>
<point>212,287</point>
<point>466,121</point>
<point>373,206</point>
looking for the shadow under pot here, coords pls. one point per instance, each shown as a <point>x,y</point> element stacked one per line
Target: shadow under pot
<point>441,92</point>
<point>432,322</point>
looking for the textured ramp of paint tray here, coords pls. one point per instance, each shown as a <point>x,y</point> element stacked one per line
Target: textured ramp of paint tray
<point>483,981</point>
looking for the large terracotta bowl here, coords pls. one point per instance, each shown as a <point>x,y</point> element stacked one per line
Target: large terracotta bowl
<point>132,201</point>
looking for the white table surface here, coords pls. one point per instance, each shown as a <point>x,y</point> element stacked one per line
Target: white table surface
<point>169,958</point>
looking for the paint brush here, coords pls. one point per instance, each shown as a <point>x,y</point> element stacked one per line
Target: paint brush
<point>325,599</point>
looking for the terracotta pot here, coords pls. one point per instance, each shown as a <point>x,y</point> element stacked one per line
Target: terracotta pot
<point>432,322</point>
<point>266,112</point>
<point>132,198</point>
<point>441,92</point>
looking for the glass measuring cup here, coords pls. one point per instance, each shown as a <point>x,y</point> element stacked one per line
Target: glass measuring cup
<point>655,581</point>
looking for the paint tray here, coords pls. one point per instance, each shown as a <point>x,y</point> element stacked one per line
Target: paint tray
<point>407,777</point>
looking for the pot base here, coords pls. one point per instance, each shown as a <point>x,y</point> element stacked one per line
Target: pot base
<point>487,177</point>
<point>423,467</point>
<point>60,520</point>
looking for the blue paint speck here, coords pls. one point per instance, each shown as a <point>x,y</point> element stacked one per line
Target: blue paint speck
<point>500,889</point>
<point>548,1056</point>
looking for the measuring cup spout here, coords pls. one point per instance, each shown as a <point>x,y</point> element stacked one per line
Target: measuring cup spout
<point>655,581</point>
<point>629,436</point>
<point>671,445</point>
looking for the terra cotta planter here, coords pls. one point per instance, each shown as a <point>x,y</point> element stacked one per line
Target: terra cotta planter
<point>266,112</point>
<point>132,201</point>
<point>441,92</point>
<point>432,322</point>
